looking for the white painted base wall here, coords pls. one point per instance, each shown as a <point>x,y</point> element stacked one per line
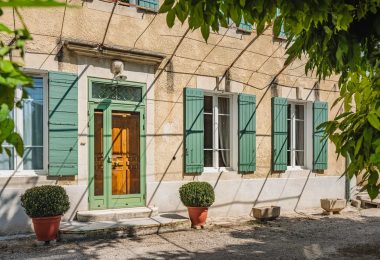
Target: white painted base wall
<point>237,197</point>
<point>13,219</point>
<point>233,198</point>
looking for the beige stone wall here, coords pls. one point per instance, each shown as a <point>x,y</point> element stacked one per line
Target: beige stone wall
<point>132,28</point>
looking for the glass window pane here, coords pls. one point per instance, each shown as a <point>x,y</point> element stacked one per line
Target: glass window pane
<point>208,158</point>
<point>223,105</point>
<point>299,110</point>
<point>208,131</point>
<point>289,111</point>
<point>224,158</point>
<point>6,162</point>
<point>208,104</point>
<point>224,132</point>
<point>299,158</point>
<point>299,135</point>
<point>114,91</point>
<point>33,158</point>
<point>33,131</point>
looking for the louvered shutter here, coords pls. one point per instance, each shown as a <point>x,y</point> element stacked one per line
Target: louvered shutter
<point>320,115</point>
<point>279,133</point>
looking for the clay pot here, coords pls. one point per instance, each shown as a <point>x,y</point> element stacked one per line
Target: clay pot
<point>198,216</point>
<point>46,228</point>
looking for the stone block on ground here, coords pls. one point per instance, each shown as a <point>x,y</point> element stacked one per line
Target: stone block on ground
<point>332,206</point>
<point>266,213</point>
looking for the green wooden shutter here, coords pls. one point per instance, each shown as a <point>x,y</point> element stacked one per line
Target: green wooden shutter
<point>63,124</point>
<point>279,133</point>
<point>193,130</point>
<point>247,133</point>
<point>245,26</point>
<point>149,4</point>
<point>320,110</point>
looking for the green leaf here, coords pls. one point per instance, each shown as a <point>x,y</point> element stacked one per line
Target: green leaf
<point>277,25</point>
<point>16,141</point>
<point>31,3</point>
<point>166,6</point>
<point>6,128</point>
<point>5,29</point>
<point>374,120</point>
<point>170,17</point>
<point>8,151</point>
<point>4,112</point>
<point>373,191</point>
<point>358,145</point>
<point>205,29</point>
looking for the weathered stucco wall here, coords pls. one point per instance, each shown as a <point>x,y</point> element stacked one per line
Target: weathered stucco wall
<point>194,64</point>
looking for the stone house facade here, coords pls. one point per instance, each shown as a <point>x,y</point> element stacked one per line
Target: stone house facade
<point>125,110</point>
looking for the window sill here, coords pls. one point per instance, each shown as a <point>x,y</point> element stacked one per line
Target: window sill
<point>13,174</point>
<point>217,170</point>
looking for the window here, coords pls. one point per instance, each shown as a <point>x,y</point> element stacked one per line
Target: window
<point>217,147</point>
<point>29,123</point>
<point>296,134</point>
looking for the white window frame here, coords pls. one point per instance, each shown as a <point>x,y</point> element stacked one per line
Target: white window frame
<point>18,170</point>
<point>292,140</point>
<point>215,143</point>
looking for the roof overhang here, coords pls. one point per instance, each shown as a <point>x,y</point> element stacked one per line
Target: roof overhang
<point>113,52</point>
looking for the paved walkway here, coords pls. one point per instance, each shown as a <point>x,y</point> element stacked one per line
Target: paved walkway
<point>351,235</point>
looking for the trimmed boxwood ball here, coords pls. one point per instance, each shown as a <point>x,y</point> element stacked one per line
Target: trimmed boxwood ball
<point>45,201</point>
<point>197,194</point>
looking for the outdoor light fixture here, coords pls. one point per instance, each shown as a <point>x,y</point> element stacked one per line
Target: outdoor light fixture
<point>117,69</point>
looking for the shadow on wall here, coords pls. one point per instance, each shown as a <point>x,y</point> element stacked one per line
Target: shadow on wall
<point>13,218</point>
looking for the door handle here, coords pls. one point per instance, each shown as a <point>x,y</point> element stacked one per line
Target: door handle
<point>109,160</point>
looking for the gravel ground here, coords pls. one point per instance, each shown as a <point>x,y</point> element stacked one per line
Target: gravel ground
<point>351,235</point>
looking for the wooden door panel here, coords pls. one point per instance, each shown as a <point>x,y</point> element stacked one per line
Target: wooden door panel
<point>125,153</point>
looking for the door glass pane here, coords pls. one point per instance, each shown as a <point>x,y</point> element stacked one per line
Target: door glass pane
<point>299,135</point>
<point>33,131</point>
<point>98,153</point>
<point>224,140</point>
<point>224,158</point>
<point>299,158</point>
<point>299,111</point>
<point>125,153</point>
<point>101,90</point>
<point>208,158</point>
<point>223,105</point>
<point>208,131</point>
<point>289,135</point>
<point>208,104</point>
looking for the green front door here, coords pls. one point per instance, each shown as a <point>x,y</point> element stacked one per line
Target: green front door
<point>117,162</point>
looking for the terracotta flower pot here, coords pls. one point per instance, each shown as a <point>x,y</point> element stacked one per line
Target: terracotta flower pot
<point>198,216</point>
<point>46,228</point>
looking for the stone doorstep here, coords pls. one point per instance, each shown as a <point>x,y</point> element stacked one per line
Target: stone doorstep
<point>74,230</point>
<point>116,214</point>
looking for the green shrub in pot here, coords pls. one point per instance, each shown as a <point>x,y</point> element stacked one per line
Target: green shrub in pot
<point>45,201</point>
<point>197,194</point>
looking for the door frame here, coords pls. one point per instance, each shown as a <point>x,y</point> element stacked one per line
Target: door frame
<point>107,200</point>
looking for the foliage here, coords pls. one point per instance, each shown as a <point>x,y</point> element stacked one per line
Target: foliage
<point>336,37</point>
<point>11,75</point>
<point>45,201</point>
<point>197,194</point>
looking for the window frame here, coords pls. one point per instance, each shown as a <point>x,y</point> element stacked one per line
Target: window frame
<point>18,119</point>
<point>215,143</point>
<point>292,135</point>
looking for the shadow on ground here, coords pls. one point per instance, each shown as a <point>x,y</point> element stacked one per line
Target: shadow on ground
<point>349,236</point>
